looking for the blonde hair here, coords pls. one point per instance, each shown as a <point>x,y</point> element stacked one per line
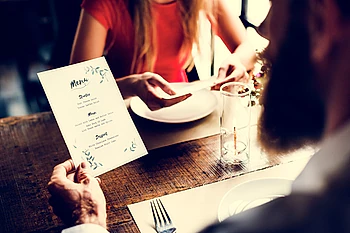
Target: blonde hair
<point>145,35</point>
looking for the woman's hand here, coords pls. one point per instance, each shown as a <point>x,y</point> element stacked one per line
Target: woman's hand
<point>76,196</point>
<point>231,70</point>
<point>148,86</point>
<point>231,30</point>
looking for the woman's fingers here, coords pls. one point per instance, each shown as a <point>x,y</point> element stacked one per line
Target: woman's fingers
<point>238,75</point>
<point>232,70</point>
<point>170,102</point>
<point>231,73</point>
<point>224,71</point>
<point>157,103</point>
<point>159,81</point>
<point>152,98</point>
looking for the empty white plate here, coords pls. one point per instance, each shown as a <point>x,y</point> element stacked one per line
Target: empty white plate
<point>251,194</point>
<point>197,106</point>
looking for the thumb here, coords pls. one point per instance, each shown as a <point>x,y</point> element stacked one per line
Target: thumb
<point>225,70</point>
<point>162,83</point>
<point>83,174</point>
<point>239,75</point>
<point>222,73</point>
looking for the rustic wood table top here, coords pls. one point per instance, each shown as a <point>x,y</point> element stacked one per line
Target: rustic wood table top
<point>30,146</point>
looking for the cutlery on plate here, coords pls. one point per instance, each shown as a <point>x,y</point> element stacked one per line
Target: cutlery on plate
<point>162,221</point>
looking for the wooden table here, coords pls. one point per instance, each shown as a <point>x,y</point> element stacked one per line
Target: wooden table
<point>30,146</point>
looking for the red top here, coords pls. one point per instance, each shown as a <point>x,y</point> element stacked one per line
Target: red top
<point>115,17</point>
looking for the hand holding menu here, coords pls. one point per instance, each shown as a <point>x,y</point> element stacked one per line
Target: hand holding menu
<point>92,116</point>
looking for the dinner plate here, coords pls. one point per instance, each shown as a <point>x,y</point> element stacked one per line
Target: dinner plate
<point>251,194</point>
<point>199,105</point>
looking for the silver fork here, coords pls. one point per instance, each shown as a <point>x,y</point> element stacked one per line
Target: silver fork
<point>162,221</point>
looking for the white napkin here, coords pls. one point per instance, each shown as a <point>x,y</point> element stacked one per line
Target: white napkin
<point>192,87</point>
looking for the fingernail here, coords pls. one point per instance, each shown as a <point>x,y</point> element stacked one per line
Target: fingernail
<point>83,165</point>
<point>98,180</point>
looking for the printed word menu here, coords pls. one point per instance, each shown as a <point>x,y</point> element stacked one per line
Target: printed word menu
<point>92,116</point>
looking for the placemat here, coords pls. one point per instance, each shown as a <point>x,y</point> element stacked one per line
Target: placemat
<point>193,209</point>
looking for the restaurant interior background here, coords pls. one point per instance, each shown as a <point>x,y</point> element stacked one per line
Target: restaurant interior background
<point>36,35</point>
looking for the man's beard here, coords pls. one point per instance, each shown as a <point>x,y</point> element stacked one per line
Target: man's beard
<point>293,113</point>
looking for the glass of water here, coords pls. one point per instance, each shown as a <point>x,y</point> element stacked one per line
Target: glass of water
<point>235,123</point>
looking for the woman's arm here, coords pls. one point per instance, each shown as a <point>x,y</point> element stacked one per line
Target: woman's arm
<point>90,39</point>
<point>230,29</point>
<point>233,33</point>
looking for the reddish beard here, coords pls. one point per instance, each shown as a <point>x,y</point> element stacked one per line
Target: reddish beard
<point>293,114</point>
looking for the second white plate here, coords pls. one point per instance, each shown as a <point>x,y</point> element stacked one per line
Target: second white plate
<point>251,194</point>
<point>199,105</point>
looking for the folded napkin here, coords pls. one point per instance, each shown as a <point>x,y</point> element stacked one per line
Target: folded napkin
<point>193,209</point>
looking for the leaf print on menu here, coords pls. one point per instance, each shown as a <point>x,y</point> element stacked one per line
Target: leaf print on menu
<point>97,70</point>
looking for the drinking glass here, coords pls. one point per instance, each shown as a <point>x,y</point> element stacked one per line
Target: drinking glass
<point>235,123</point>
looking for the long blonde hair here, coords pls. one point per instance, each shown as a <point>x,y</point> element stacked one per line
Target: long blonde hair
<point>145,35</point>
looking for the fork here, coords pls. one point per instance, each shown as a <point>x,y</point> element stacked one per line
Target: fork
<point>162,221</point>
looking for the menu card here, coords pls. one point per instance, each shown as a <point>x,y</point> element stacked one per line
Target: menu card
<point>92,116</point>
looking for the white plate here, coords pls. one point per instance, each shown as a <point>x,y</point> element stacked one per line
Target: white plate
<point>197,106</point>
<point>251,194</point>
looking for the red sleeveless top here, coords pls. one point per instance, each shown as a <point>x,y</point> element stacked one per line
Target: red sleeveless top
<point>115,17</point>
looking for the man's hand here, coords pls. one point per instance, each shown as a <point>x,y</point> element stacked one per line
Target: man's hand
<point>76,196</point>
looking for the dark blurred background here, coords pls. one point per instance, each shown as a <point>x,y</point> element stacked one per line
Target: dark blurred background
<point>35,35</point>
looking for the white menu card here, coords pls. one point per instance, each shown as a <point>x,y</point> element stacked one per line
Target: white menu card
<point>92,116</point>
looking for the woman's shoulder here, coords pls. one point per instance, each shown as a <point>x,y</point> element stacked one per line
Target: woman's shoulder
<point>112,4</point>
<point>107,12</point>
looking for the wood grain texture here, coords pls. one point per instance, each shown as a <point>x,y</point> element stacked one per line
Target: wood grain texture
<point>31,146</point>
